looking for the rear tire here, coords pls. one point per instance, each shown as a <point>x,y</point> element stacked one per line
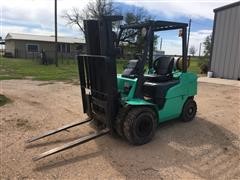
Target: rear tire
<point>189,110</point>
<point>140,125</point>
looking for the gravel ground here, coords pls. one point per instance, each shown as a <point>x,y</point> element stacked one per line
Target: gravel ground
<point>206,148</point>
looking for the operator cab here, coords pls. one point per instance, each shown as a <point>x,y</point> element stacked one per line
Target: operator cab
<point>156,84</point>
<point>160,77</point>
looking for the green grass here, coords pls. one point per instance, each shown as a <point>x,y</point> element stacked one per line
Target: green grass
<point>4,100</point>
<point>11,68</point>
<point>22,68</point>
<point>120,65</point>
<point>194,67</point>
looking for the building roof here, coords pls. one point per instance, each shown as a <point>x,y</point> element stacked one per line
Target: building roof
<point>227,6</point>
<point>31,37</point>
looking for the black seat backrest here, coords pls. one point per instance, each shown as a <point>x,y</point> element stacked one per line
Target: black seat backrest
<point>164,65</point>
<point>131,69</point>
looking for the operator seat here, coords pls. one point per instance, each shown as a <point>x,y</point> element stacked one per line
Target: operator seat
<point>132,69</point>
<point>163,67</point>
<point>157,85</point>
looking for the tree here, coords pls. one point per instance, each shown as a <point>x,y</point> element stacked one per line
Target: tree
<point>192,50</point>
<point>93,10</point>
<point>207,45</point>
<point>137,15</point>
<point>99,8</point>
<point>133,36</point>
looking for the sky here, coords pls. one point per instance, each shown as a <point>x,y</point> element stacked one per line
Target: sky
<point>37,17</point>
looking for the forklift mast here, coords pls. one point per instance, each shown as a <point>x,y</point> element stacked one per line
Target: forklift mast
<point>97,71</point>
<point>98,83</point>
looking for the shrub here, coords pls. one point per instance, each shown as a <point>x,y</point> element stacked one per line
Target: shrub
<point>204,66</point>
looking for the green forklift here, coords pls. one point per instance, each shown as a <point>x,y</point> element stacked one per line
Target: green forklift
<point>150,90</point>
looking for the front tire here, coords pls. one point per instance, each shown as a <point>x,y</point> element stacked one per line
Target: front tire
<point>120,120</point>
<point>189,110</point>
<point>140,125</point>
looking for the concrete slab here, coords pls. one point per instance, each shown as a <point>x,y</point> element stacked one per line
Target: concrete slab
<point>219,81</point>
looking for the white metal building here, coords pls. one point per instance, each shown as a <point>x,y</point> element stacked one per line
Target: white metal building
<point>225,55</point>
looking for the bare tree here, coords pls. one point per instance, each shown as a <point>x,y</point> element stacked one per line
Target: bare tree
<point>93,10</point>
<point>133,36</point>
<point>192,50</point>
<point>75,17</point>
<point>100,8</point>
<point>137,15</point>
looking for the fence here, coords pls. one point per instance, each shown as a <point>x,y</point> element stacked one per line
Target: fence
<point>36,56</point>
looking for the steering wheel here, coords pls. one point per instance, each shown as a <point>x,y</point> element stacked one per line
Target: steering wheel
<point>155,63</point>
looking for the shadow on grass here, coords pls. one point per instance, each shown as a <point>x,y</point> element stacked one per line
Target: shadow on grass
<point>4,100</point>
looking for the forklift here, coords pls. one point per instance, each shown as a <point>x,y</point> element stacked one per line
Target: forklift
<point>134,103</point>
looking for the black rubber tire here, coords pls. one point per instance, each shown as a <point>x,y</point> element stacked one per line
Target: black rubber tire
<point>120,119</point>
<point>140,125</point>
<point>189,110</point>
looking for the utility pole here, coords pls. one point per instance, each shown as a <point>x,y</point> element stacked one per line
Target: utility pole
<point>56,40</point>
<point>189,30</point>
<point>200,45</point>
<point>1,43</point>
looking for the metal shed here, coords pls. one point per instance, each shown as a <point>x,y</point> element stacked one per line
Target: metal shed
<point>225,55</point>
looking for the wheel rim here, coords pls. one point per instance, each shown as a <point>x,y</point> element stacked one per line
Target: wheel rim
<point>190,111</point>
<point>144,126</point>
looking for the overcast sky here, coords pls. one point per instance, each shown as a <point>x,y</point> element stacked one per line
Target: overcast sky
<point>37,17</point>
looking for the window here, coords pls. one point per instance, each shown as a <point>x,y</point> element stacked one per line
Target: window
<point>59,47</point>
<point>32,47</point>
<point>79,47</point>
<point>63,48</point>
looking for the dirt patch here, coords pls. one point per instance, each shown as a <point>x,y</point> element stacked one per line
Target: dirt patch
<point>23,123</point>
<point>16,124</point>
<point>206,148</point>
